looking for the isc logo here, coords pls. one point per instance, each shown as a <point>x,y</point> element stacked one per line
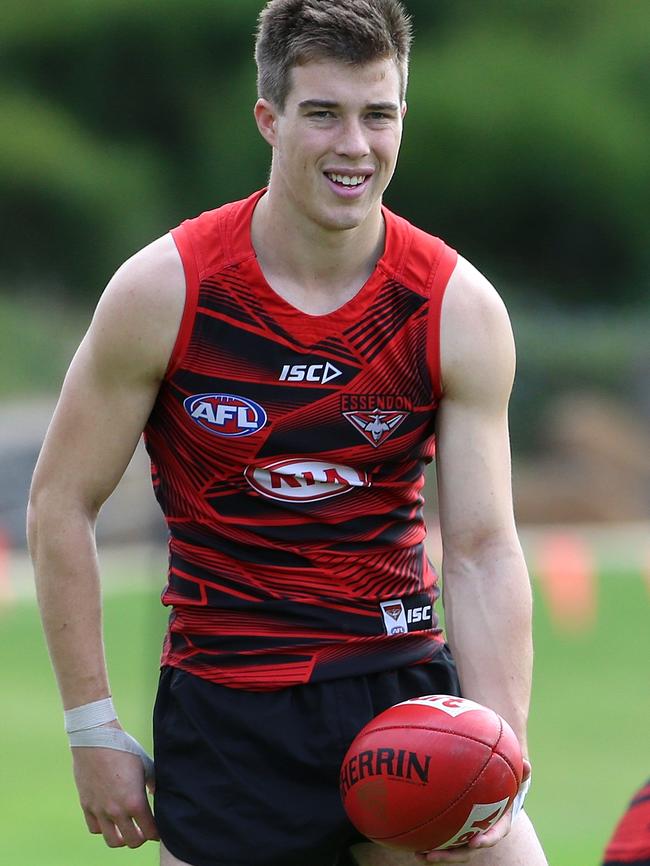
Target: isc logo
<point>417,614</point>
<point>225,414</point>
<point>321,373</point>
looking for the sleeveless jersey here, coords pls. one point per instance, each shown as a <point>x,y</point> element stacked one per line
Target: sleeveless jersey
<point>288,455</point>
<point>630,842</point>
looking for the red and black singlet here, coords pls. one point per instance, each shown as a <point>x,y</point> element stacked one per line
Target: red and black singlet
<point>288,453</point>
<point>630,843</point>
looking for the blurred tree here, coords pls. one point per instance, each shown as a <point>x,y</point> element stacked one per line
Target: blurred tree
<point>104,112</point>
<point>526,143</point>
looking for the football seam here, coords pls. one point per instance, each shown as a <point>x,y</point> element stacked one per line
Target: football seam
<point>439,814</point>
<point>439,731</point>
<point>503,757</point>
<point>463,792</point>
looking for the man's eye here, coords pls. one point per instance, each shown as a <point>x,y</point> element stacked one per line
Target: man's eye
<point>378,115</point>
<point>321,115</point>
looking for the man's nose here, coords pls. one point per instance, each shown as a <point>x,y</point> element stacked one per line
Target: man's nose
<point>352,141</point>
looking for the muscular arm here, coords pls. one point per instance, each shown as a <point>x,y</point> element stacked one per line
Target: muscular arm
<point>104,404</point>
<point>486,590</point>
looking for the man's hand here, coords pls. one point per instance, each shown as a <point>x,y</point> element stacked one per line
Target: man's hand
<point>113,796</point>
<point>489,839</point>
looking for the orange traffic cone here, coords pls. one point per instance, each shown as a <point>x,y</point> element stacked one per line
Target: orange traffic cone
<point>567,572</point>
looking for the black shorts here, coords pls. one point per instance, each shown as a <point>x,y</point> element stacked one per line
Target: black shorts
<point>251,778</point>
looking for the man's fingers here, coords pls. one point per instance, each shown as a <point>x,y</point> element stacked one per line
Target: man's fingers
<point>92,822</point>
<point>145,821</point>
<point>493,835</point>
<point>120,831</point>
<point>130,833</point>
<point>109,831</point>
<point>113,796</point>
<point>484,840</point>
<point>124,830</point>
<point>135,823</point>
<point>489,839</point>
<point>466,853</point>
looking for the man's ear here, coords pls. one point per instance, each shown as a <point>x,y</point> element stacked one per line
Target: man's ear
<point>404,108</point>
<point>266,116</point>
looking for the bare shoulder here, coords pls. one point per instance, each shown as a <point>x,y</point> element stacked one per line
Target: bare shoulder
<point>139,313</point>
<point>477,345</point>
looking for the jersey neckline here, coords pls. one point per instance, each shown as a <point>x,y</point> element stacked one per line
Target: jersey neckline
<point>241,246</point>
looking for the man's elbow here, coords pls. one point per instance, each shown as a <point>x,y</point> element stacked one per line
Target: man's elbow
<point>36,510</point>
<point>477,552</point>
<point>51,512</point>
<point>32,525</point>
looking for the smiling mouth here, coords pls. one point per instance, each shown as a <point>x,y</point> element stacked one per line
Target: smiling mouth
<point>347,181</point>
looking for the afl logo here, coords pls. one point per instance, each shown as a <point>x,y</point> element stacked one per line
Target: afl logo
<point>304,480</point>
<point>225,414</point>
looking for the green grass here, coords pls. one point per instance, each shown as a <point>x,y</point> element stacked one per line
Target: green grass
<point>42,823</point>
<point>589,722</point>
<point>588,729</point>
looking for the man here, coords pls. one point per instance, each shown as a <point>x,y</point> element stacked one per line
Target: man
<point>290,358</point>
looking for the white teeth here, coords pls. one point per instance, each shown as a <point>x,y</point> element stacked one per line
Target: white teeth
<point>346,180</point>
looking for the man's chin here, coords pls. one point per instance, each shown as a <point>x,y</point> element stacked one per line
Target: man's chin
<point>343,219</point>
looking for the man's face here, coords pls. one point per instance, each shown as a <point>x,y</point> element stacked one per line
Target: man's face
<point>337,140</point>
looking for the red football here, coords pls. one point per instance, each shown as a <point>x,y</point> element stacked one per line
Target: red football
<point>432,772</point>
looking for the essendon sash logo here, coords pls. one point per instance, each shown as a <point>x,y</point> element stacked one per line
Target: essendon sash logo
<point>375,416</point>
<point>397,763</point>
<point>411,613</point>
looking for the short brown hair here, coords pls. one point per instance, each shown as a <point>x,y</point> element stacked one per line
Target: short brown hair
<point>293,32</point>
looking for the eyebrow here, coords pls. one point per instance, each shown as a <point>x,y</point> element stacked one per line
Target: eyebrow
<point>327,103</point>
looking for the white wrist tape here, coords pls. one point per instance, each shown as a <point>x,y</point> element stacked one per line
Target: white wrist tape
<point>518,803</point>
<point>89,715</point>
<point>84,728</point>
<point>113,738</point>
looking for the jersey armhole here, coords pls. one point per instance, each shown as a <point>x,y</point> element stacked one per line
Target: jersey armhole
<point>191,270</point>
<point>441,274</point>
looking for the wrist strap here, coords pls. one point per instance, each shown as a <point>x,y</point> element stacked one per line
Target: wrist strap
<point>89,715</point>
<point>113,738</point>
<point>518,803</point>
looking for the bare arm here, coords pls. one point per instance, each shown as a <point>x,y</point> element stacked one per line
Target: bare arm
<point>486,590</point>
<point>486,587</point>
<point>104,405</point>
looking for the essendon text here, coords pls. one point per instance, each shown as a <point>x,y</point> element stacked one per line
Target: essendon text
<point>371,402</point>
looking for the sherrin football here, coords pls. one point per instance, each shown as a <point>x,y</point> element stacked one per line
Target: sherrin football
<point>431,772</point>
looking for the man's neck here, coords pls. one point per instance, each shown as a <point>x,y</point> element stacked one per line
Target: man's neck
<point>315,269</point>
